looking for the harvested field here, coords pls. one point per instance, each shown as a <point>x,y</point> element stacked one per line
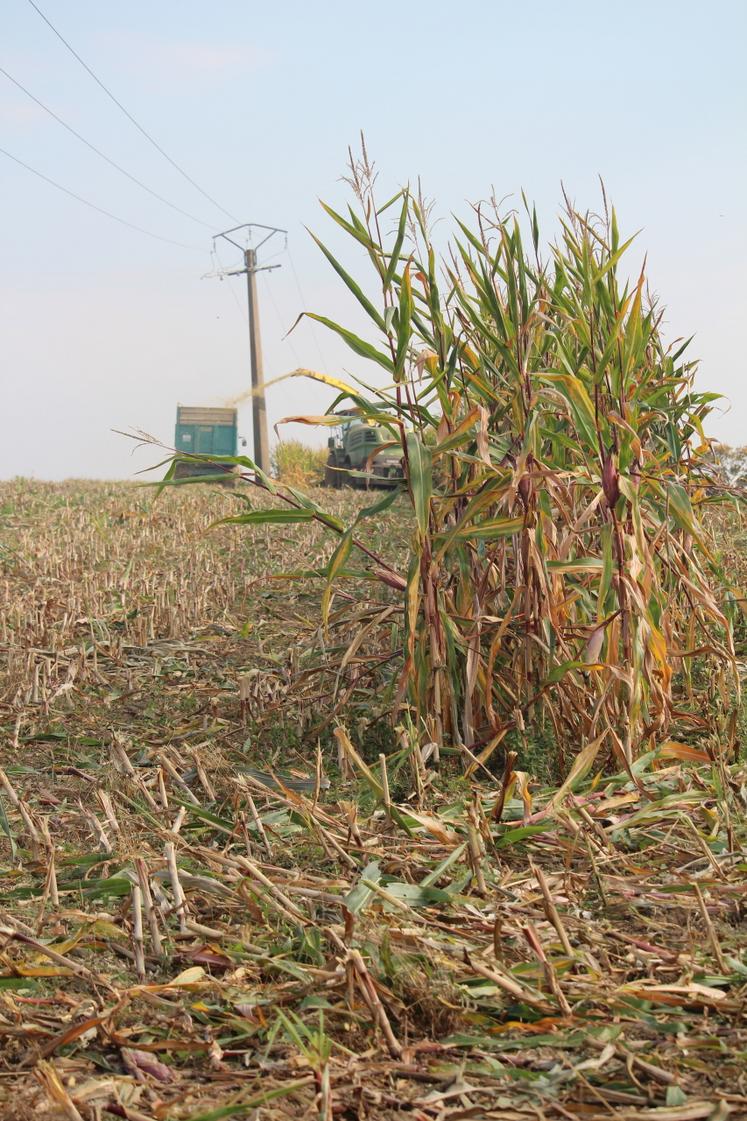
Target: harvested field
<point>184,937</point>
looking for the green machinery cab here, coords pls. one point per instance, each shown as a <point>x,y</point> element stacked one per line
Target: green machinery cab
<point>362,454</point>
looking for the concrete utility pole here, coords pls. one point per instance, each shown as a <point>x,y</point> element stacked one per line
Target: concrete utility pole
<point>261,443</point>
<point>261,439</point>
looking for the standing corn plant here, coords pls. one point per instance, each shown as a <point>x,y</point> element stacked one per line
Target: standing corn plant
<point>555,464</point>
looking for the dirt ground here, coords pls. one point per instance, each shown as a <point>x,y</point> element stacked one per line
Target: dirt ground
<point>203,915</point>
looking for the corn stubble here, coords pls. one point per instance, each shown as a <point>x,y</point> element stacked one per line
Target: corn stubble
<point>182,939</point>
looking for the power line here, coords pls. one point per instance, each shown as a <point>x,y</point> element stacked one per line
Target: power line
<point>283,331</point>
<point>93,206</point>
<point>98,151</point>
<point>304,306</point>
<point>232,290</point>
<point>129,115</point>
<point>271,296</point>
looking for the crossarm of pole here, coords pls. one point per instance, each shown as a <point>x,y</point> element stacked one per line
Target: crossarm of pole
<point>270,232</point>
<point>243,272</point>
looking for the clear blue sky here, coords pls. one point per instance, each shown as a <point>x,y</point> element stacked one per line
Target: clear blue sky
<point>102,327</point>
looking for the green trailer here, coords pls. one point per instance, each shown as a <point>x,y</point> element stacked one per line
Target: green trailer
<point>205,431</point>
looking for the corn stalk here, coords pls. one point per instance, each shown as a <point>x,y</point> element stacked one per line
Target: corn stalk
<point>556,470</point>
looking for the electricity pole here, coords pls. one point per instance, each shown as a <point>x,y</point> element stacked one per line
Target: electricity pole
<point>261,440</point>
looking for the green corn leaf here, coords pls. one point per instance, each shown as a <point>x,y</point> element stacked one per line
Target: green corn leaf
<point>415,895</point>
<point>250,1105</point>
<point>336,565</point>
<point>390,202</point>
<point>264,517</point>
<point>575,393</point>
<point>492,528</point>
<point>389,498</point>
<point>404,324</point>
<point>579,564</point>
<point>355,228</point>
<point>558,672</point>
<point>397,249</point>
<point>681,508</point>
<point>5,826</point>
<point>605,582</point>
<point>520,833</point>
<point>357,345</point>
<point>359,896</point>
<point>421,480</point>
<point>433,877</point>
<point>353,286</point>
